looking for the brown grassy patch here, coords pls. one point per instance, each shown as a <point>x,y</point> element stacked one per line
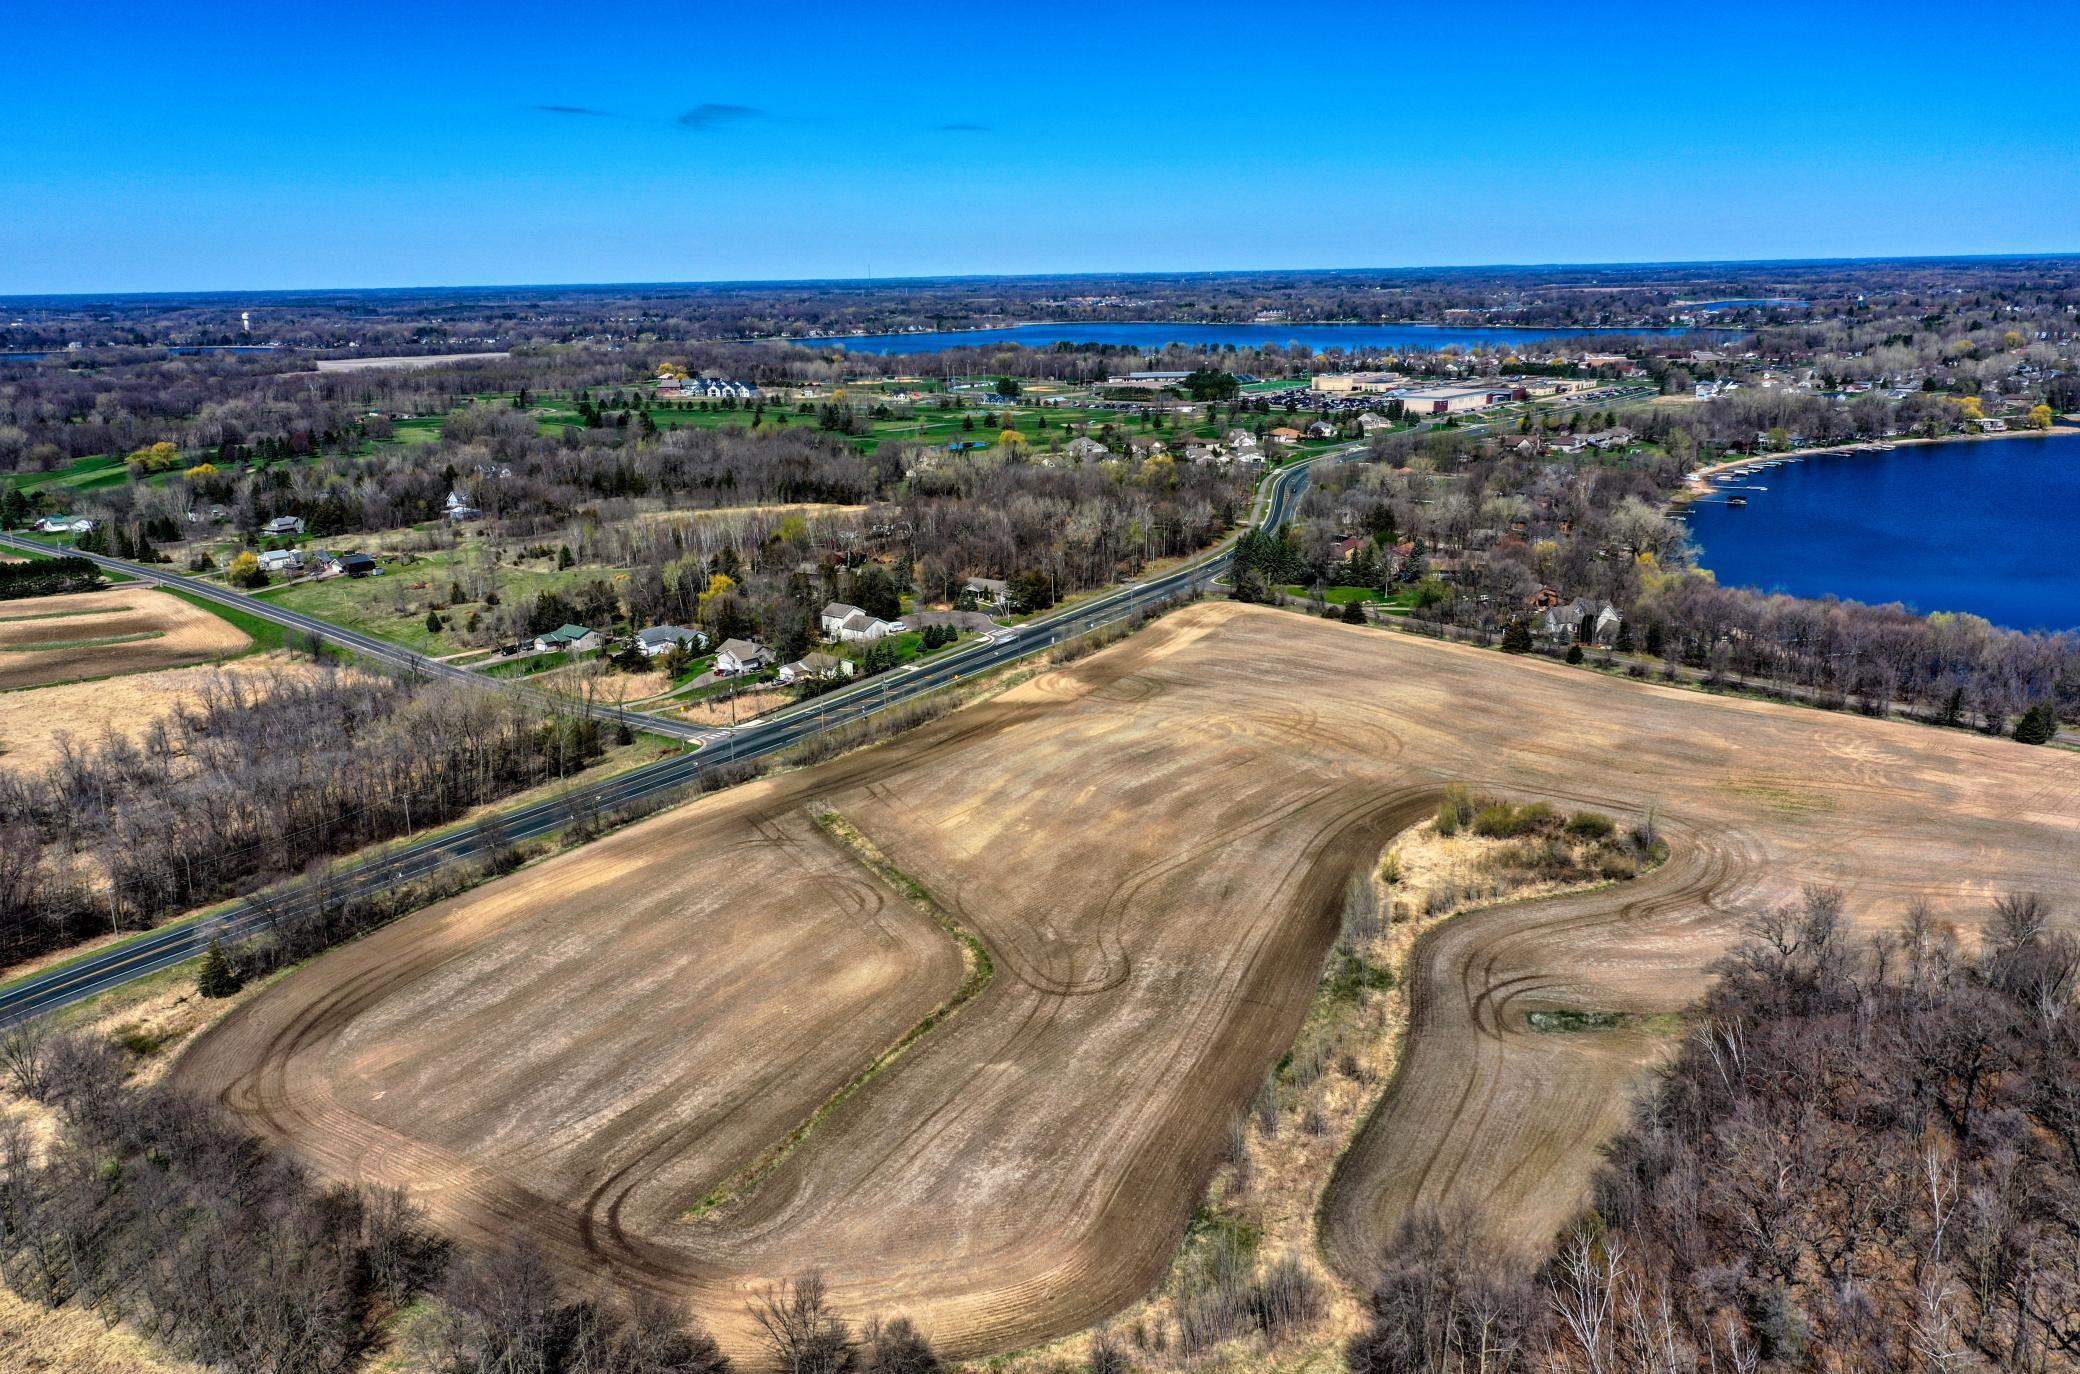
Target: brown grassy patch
<point>32,720</point>
<point>53,639</point>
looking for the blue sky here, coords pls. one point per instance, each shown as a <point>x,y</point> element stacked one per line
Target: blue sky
<point>264,146</point>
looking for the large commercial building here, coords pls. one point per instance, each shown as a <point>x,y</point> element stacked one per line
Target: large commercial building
<point>1455,400</point>
<point>1355,383</point>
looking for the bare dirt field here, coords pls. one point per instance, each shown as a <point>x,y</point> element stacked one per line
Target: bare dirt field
<point>1152,844</point>
<point>32,720</point>
<point>410,361</point>
<point>48,639</point>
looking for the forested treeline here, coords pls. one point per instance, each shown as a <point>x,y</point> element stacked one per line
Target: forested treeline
<point>47,577</point>
<point>147,1208</point>
<point>462,319</point>
<point>251,780</point>
<point>1866,1156</point>
<point>1477,530</point>
<point>1081,526</point>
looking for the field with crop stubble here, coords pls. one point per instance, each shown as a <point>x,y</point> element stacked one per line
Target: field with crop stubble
<point>616,1053</point>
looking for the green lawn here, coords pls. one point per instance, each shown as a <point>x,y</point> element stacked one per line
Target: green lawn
<point>83,474</point>
<point>424,429</point>
<point>393,606</point>
<point>1341,596</point>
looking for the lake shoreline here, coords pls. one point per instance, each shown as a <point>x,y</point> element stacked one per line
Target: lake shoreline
<point>1696,482</point>
<point>1968,527</point>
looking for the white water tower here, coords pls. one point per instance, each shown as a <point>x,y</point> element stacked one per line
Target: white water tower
<point>245,321</point>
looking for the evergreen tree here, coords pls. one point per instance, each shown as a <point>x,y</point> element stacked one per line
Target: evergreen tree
<point>1574,653</point>
<point>433,622</point>
<point>1354,613</point>
<point>216,977</point>
<point>1517,638</point>
<point>2039,725</point>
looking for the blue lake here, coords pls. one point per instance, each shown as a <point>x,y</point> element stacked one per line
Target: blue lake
<point>1141,334</point>
<point>1989,526</point>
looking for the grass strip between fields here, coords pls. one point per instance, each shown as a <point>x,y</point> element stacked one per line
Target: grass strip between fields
<point>978,968</point>
<point>63,615</point>
<point>50,645</point>
<point>265,634</point>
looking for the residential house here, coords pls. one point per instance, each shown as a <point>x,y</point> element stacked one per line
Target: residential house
<point>283,525</point>
<point>659,640</point>
<point>1564,623</point>
<point>1085,448</point>
<point>1285,434</point>
<point>817,667</point>
<point>834,616</point>
<point>459,508</point>
<point>1370,424</point>
<point>1347,549</point>
<point>992,592</point>
<point>1321,429</point>
<point>54,524</point>
<point>741,656</point>
<point>861,628</point>
<point>574,639</point>
<point>281,560</point>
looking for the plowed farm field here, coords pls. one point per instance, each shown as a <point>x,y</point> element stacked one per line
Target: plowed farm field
<point>47,639</point>
<point>735,1042</point>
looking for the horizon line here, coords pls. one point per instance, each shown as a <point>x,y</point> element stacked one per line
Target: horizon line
<point>713,283</point>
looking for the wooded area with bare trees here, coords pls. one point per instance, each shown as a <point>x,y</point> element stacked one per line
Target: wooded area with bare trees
<point>1866,1156</point>
<point>148,1208</point>
<point>255,780</point>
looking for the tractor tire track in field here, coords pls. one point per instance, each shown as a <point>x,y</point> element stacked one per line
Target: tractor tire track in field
<point>1150,846</point>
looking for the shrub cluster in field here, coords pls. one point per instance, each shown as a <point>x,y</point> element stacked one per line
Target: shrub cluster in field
<point>1545,845</point>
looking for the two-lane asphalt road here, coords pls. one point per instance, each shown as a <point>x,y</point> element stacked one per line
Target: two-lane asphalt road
<point>170,945</point>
